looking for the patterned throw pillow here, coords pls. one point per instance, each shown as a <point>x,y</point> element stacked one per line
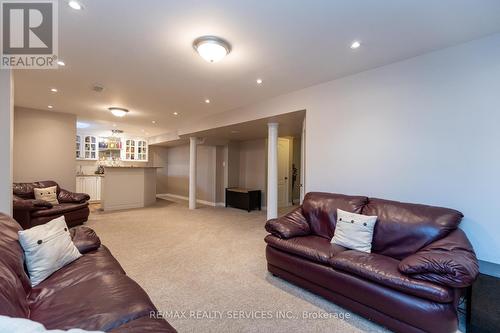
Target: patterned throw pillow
<point>48,194</point>
<point>354,231</point>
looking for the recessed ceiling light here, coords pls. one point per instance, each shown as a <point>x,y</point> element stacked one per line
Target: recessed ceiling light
<point>212,48</point>
<point>175,113</point>
<point>153,121</point>
<point>259,81</point>
<point>355,44</point>
<point>75,5</point>
<point>61,63</point>
<point>118,112</point>
<point>207,101</point>
<point>53,90</point>
<point>142,130</point>
<point>50,106</point>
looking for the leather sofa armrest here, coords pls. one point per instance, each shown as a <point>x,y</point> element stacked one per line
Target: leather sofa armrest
<point>450,261</point>
<point>71,197</point>
<point>85,239</point>
<point>30,204</point>
<point>290,225</point>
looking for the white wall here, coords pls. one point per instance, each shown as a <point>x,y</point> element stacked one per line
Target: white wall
<point>6,140</point>
<point>44,147</point>
<point>423,130</point>
<point>178,172</point>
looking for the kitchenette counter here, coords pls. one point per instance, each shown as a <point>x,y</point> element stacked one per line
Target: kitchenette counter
<point>125,187</point>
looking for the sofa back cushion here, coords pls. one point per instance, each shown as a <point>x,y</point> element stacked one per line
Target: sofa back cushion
<point>14,282</point>
<point>25,190</point>
<point>404,228</point>
<point>320,210</point>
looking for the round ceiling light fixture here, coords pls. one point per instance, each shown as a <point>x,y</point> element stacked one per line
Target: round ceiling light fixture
<point>355,44</point>
<point>118,112</point>
<point>75,5</point>
<point>211,48</point>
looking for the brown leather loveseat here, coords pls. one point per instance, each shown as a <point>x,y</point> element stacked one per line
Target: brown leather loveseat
<point>420,264</point>
<point>30,212</point>
<point>91,293</point>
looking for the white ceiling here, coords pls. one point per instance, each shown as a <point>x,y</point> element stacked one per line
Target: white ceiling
<point>141,52</point>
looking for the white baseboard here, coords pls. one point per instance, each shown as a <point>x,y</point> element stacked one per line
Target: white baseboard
<point>181,197</point>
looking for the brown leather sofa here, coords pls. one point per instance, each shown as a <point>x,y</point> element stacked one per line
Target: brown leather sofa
<point>30,212</point>
<point>420,264</point>
<point>91,293</point>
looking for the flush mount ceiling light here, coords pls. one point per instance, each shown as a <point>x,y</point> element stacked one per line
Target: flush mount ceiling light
<point>211,48</point>
<point>259,81</point>
<point>118,112</point>
<point>50,106</point>
<point>207,101</point>
<point>355,44</point>
<point>175,113</point>
<point>61,63</point>
<point>75,5</point>
<point>54,90</point>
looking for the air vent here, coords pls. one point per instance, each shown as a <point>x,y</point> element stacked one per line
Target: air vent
<point>116,131</point>
<point>98,88</point>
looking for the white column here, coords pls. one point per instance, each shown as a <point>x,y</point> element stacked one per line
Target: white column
<point>6,139</point>
<point>272,171</point>
<point>193,141</point>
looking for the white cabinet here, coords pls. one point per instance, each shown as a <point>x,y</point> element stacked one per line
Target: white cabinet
<point>90,147</point>
<point>78,147</point>
<point>142,150</point>
<point>86,147</point>
<point>90,185</point>
<point>135,150</point>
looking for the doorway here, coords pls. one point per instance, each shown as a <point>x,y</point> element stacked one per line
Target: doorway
<point>283,172</point>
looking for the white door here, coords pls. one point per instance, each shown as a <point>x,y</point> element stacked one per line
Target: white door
<point>283,171</point>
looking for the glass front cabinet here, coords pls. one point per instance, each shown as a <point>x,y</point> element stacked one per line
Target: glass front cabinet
<point>135,150</point>
<point>86,147</point>
<point>90,147</point>
<point>78,147</point>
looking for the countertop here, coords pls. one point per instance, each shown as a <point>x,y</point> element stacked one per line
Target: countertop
<point>132,167</point>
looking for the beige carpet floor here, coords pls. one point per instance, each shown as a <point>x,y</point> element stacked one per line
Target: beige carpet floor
<point>212,260</point>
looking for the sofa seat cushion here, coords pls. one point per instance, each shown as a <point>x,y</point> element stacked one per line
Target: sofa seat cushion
<point>101,303</point>
<point>315,248</point>
<point>90,265</point>
<point>59,209</point>
<point>145,325</point>
<point>384,270</point>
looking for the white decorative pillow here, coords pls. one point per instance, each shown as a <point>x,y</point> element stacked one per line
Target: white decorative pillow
<point>354,231</point>
<point>22,325</point>
<point>48,194</point>
<point>47,248</point>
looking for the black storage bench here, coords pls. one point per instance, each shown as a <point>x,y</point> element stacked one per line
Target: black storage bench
<point>243,198</point>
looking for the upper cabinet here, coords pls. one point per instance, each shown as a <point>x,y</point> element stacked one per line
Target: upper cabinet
<point>135,150</point>
<point>78,147</point>
<point>90,147</point>
<point>86,147</point>
<point>142,150</point>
